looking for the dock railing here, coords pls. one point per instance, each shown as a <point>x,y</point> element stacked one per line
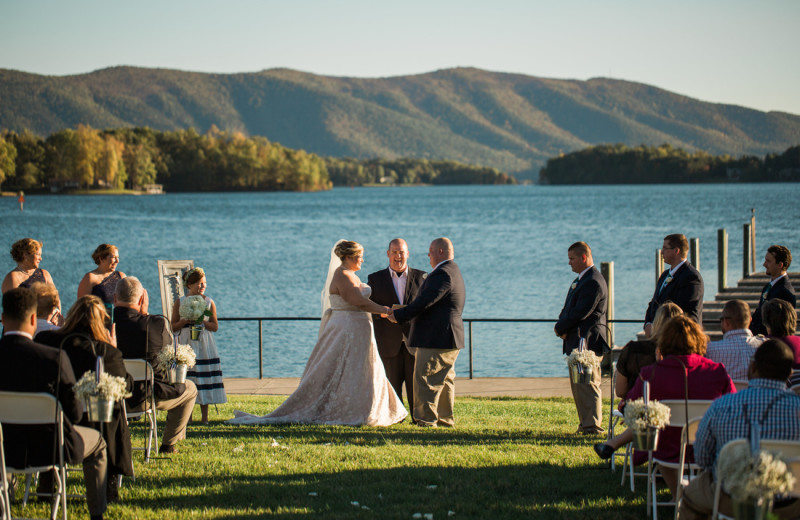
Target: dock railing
<point>467,322</point>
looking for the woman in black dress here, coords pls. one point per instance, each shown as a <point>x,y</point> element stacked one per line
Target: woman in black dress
<point>27,253</point>
<point>102,281</point>
<point>88,319</point>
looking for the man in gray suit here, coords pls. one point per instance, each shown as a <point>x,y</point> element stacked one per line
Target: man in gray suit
<point>584,316</point>
<point>437,334</point>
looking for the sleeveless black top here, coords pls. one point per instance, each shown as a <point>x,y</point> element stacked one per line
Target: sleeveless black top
<point>37,276</point>
<point>105,289</point>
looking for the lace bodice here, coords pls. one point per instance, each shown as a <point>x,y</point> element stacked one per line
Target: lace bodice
<point>339,304</point>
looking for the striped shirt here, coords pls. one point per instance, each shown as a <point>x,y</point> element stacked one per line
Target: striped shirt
<point>735,350</point>
<point>767,401</point>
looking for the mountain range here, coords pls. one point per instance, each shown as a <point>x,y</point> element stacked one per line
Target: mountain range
<point>512,122</point>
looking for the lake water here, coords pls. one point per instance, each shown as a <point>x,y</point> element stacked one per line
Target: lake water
<point>266,254</point>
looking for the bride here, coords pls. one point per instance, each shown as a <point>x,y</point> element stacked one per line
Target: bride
<point>344,381</point>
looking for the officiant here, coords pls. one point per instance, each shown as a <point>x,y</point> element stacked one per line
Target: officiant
<point>396,285</point>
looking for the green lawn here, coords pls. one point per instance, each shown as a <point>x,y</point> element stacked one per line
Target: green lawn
<point>507,458</point>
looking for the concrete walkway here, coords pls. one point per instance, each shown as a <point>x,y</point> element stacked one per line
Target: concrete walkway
<point>478,387</point>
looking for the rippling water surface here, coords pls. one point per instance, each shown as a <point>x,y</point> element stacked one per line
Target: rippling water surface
<point>266,254</point>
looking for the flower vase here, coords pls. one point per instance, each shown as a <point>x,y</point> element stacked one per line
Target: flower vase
<point>197,328</point>
<point>753,509</point>
<point>645,440</point>
<point>99,408</point>
<point>177,373</point>
<point>580,374</point>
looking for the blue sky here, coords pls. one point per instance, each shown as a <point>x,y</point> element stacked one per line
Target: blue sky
<point>723,51</point>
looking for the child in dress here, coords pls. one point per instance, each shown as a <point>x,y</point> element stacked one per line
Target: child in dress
<point>207,372</point>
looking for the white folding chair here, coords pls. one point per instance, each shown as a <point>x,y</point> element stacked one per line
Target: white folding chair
<point>27,408</point>
<point>141,370</point>
<point>679,409</point>
<point>790,454</point>
<point>5,501</point>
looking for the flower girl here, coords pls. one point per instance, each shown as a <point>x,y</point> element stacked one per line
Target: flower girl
<point>195,316</point>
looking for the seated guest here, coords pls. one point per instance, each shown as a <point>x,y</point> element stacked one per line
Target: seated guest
<point>26,366</point>
<point>638,354</point>
<point>27,253</point>
<point>48,307</point>
<point>776,261</point>
<point>88,318</point>
<point>102,281</point>
<point>780,320</point>
<point>142,336</point>
<point>730,417</point>
<point>681,343</point>
<point>736,348</point>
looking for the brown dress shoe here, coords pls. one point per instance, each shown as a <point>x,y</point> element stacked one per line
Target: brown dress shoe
<point>168,449</point>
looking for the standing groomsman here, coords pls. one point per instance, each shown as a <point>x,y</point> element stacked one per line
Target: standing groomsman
<point>776,262</point>
<point>681,284</point>
<point>398,284</point>
<point>584,316</point>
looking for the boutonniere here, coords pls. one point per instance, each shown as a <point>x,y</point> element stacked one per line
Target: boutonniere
<point>668,280</point>
<point>573,286</point>
<point>424,275</point>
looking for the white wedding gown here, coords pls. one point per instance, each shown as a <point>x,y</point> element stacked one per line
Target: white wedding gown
<point>344,381</point>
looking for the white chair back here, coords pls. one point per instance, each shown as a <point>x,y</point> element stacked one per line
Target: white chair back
<point>141,370</point>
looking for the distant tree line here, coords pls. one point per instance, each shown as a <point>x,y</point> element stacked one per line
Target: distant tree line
<point>358,172</point>
<point>132,158</point>
<point>619,164</point>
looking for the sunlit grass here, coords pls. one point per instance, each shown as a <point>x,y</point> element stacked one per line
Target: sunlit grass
<point>507,458</point>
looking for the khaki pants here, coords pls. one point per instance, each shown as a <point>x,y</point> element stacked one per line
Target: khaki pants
<point>95,469</point>
<point>589,402</point>
<point>698,501</point>
<point>434,386</point>
<point>179,412</point>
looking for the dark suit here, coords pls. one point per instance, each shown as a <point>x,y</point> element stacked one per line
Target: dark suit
<point>437,332</point>
<point>684,290</point>
<point>391,337</point>
<point>83,359</point>
<point>141,336</point>
<point>26,366</point>
<point>584,316</point>
<point>782,290</point>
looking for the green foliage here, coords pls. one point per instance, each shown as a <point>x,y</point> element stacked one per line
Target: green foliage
<point>618,164</point>
<point>355,172</point>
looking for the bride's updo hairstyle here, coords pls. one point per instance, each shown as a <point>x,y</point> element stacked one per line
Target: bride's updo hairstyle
<point>348,248</point>
<point>193,276</point>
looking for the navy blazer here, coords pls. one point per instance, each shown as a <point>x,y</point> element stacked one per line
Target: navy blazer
<point>685,290</point>
<point>584,314</point>
<point>782,290</point>
<point>390,336</point>
<point>26,366</point>
<point>436,311</point>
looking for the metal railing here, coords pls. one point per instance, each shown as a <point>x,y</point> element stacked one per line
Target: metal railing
<point>467,321</point>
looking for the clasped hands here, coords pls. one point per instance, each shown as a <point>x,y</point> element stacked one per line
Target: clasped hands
<point>389,315</point>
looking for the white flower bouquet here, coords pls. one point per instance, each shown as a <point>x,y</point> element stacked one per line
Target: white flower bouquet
<point>587,358</point>
<point>194,308</point>
<point>639,417</point>
<point>170,356</point>
<point>110,387</point>
<point>752,477</point>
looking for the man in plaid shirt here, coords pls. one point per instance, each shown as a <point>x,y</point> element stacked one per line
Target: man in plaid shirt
<point>765,401</point>
<point>737,346</point>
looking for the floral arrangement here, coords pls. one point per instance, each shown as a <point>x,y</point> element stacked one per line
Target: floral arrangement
<point>639,417</point>
<point>194,308</point>
<point>110,387</point>
<point>751,477</point>
<point>182,355</point>
<point>586,358</point>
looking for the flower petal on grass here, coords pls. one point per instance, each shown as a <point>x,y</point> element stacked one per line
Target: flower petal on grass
<point>416,515</point>
<point>432,486</point>
<point>354,503</point>
<point>239,448</point>
<point>428,516</point>
<point>312,493</point>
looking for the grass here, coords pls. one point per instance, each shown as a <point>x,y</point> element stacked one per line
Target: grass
<point>507,458</point>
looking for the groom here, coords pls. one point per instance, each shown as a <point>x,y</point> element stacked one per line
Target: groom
<point>437,334</point>
<point>397,284</point>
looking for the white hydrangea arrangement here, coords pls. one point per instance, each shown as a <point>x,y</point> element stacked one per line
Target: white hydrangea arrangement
<point>748,477</point>
<point>194,308</point>
<point>182,355</point>
<point>639,417</point>
<point>587,358</point>
<point>110,387</point>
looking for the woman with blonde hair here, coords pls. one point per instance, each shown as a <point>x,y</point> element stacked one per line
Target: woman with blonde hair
<point>27,253</point>
<point>344,381</point>
<point>85,336</point>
